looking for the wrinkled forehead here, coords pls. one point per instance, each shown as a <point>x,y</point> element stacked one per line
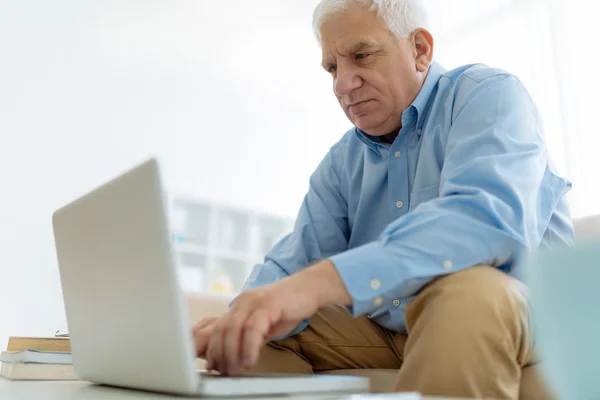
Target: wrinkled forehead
<point>349,45</point>
<point>352,30</point>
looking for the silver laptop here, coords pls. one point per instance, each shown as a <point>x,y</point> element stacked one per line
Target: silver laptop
<point>125,311</point>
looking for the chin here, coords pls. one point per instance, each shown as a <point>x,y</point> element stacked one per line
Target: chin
<point>373,128</point>
<point>375,125</point>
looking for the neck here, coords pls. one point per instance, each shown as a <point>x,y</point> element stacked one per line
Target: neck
<point>390,137</point>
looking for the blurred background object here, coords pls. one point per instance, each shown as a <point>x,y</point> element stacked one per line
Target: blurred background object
<point>564,287</point>
<point>231,97</point>
<point>216,246</point>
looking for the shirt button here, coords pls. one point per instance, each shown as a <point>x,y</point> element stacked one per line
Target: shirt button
<point>448,264</point>
<point>396,303</point>
<point>419,132</point>
<point>399,204</point>
<point>378,301</point>
<point>397,154</point>
<point>375,284</point>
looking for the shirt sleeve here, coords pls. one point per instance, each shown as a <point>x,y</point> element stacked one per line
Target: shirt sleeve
<point>496,199</point>
<point>320,231</point>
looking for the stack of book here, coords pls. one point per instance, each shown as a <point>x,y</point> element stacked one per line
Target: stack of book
<point>32,358</point>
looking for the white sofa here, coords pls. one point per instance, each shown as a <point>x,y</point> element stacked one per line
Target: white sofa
<point>202,305</point>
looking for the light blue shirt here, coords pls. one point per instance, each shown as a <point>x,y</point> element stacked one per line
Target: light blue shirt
<point>467,181</point>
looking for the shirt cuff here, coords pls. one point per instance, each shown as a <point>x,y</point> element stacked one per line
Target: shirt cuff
<point>366,273</point>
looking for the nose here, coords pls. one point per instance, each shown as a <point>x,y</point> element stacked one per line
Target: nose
<point>346,80</point>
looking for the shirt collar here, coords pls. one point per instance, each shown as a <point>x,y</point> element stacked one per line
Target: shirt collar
<point>418,106</point>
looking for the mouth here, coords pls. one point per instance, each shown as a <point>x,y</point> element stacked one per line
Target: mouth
<point>356,107</point>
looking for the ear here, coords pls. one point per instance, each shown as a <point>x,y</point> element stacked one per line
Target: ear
<point>422,42</point>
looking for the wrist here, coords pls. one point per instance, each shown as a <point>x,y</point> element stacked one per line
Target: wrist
<point>328,285</point>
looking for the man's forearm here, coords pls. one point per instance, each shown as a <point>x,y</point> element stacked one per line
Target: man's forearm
<point>325,284</point>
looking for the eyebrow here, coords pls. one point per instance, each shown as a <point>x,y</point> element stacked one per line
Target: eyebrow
<point>355,48</point>
<point>361,46</point>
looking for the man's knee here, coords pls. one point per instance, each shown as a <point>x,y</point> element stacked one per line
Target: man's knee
<point>481,278</point>
<point>476,295</point>
<point>483,286</point>
<point>476,321</point>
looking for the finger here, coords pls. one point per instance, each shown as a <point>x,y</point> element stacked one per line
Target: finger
<point>204,323</point>
<point>202,339</point>
<point>232,339</point>
<point>214,353</point>
<point>254,336</point>
<point>210,349</point>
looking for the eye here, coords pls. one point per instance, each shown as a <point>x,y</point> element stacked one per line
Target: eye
<point>361,56</point>
<point>332,69</point>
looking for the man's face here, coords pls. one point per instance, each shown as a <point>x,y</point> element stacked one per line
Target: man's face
<point>376,76</point>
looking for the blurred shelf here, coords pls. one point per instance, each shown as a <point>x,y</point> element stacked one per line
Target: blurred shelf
<point>192,248</point>
<point>216,246</point>
<point>213,253</point>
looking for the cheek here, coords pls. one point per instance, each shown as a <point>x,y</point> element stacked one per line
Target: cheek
<point>377,86</point>
<point>392,89</point>
<point>383,95</point>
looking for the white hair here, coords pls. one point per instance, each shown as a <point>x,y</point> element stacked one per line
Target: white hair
<point>402,17</point>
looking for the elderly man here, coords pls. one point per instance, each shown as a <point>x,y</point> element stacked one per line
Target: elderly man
<point>405,253</point>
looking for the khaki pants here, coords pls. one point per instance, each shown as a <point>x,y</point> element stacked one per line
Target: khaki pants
<point>468,336</point>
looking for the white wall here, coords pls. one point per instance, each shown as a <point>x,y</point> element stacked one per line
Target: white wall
<point>233,102</point>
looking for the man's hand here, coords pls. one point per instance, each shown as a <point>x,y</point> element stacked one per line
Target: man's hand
<point>203,331</point>
<point>233,342</point>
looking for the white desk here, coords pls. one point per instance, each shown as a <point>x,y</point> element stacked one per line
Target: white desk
<point>71,390</point>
